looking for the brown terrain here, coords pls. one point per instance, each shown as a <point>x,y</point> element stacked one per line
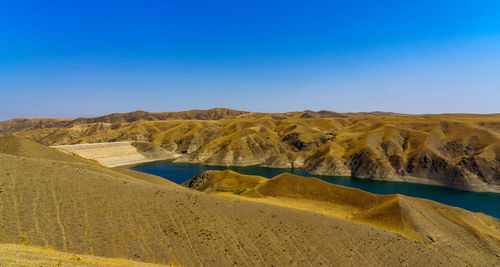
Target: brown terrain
<point>61,209</point>
<point>455,150</point>
<point>474,237</point>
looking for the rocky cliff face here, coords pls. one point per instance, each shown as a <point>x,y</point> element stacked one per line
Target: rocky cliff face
<point>455,150</point>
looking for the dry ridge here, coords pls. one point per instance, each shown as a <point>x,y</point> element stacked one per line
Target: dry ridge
<point>22,124</point>
<point>455,150</point>
<point>56,201</point>
<point>472,236</point>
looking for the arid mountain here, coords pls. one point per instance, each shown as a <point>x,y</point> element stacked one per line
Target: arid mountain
<point>474,237</point>
<point>51,200</point>
<point>455,150</point>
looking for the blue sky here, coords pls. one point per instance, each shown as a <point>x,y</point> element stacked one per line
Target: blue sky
<point>85,58</point>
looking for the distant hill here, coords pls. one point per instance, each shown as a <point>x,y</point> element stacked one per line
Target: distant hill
<point>24,124</point>
<point>455,150</point>
<point>53,207</point>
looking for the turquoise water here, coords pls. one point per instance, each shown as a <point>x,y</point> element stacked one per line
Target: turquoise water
<point>488,203</point>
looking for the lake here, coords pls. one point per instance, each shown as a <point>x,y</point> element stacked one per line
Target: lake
<point>488,203</point>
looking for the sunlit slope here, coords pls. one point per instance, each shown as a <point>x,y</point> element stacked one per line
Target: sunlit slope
<point>83,208</point>
<point>474,237</point>
<point>24,124</point>
<point>455,150</point>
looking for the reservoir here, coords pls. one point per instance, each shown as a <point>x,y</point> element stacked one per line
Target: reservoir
<point>488,203</point>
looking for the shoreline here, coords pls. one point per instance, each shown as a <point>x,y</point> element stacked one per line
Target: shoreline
<point>404,179</point>
<point>125,155</point>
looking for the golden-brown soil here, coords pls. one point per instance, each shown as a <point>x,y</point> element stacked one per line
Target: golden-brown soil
<point>474,237</point>
<point>52,200</point>
<point>455,150</point>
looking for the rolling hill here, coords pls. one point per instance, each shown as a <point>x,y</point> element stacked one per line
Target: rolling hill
<point>474,237</point>
<point>460,151</point>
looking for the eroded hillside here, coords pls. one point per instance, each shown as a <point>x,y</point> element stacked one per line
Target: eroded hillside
<point>455,150</point>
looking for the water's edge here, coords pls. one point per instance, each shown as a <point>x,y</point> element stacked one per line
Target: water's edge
<point>408,179</point>
<point>487,202</point>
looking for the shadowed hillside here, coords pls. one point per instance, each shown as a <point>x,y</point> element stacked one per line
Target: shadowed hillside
<point>475,237</point>
<point>50,200</point>
<point>456,150</point>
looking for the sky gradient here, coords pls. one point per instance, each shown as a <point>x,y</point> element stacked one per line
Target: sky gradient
<point>87,58</point>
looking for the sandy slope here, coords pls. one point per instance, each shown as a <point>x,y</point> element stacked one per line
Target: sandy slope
<point>79,207</point>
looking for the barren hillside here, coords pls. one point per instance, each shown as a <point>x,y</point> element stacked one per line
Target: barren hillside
<point>475,237</point>
<point>456,150</point>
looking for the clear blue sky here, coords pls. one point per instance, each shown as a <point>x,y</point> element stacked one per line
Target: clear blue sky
<point>76,58</point>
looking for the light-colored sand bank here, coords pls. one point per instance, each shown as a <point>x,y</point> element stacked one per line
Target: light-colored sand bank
<point>112,154</point>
